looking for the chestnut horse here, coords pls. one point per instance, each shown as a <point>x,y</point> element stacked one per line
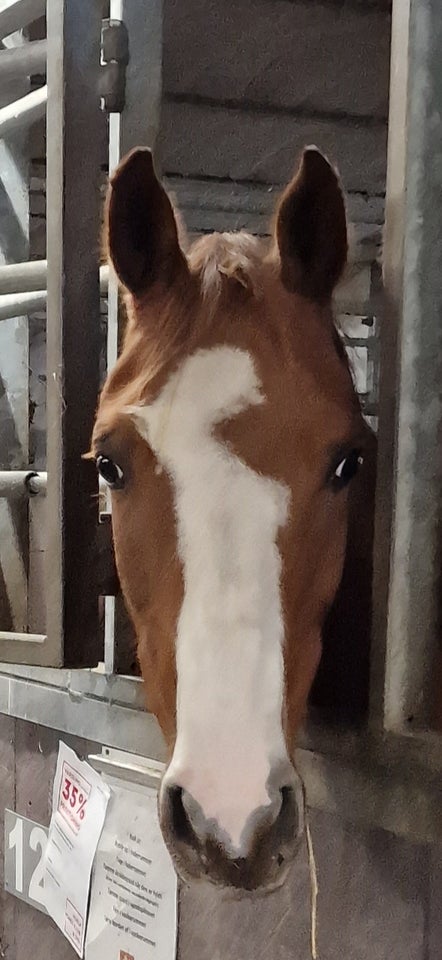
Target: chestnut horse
<point>230,434</point>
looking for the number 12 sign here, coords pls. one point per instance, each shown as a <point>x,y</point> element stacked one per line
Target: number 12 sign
<point>25,842</point>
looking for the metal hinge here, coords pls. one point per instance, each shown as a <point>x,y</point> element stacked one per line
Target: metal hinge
<point>114,60</point>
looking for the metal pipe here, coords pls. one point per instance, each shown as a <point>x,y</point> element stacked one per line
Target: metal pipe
<point>23,277</point>
<point>23,637</point>
<point>14,304</point>
<point>21,304</point>
<point>23,61</point>
<point>408,527</point>
<point>24,112</point>
<point>19,14</point>
<point>31,275</point>
<point>20,483</point>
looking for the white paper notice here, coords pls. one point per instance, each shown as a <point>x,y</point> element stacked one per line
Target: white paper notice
<point>133,906</point>
<point>80,799</point>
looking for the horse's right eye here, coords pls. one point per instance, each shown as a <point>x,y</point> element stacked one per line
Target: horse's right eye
<point>344,471</point>
<point>111,472</point>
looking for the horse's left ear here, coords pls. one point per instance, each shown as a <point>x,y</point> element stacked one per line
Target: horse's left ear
<point>311,229</point>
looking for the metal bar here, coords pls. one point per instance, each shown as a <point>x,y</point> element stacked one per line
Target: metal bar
<point>22,483</point>
<point>23,61</point>
<point>408,528</point>
<point>13,565</point>
<point>18,14</point>
<point>13,304</point>
<point>392,267</point>
<point>75,125</point>
<point>14,370</point>
<point>31,276</point>
<point>138,124</point>
<point>20,304</point>
<point>127,766</point>
<point>28,482</point>
<point>24,112</point>
<point>23,277</point>
<point>22,637</point>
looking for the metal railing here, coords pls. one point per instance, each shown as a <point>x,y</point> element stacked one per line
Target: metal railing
<point>18,15</point>
<point>31,483</point>
<point>23,61</point>
<point>23,287</point>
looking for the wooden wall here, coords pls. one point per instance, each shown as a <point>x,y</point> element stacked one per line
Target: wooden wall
<point>379,895</point>
<point>247,84</point>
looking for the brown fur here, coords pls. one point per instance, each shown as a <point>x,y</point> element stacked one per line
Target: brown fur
<point>273,301</point>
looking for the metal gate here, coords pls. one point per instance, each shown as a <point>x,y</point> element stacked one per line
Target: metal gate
<point>86,61</point>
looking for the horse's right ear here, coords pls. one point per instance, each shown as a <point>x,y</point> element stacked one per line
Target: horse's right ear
<point>141,231</point>
<point>311,229</point>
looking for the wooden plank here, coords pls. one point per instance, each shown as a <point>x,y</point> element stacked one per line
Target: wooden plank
<point>260,199</point>
<point>209,205</point>
<point>201,141</point>
<point>305,56</point>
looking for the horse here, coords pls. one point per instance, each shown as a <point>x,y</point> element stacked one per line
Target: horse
<point>232,439</point>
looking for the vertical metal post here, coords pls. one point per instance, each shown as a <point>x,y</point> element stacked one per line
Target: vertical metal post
<point>408,556</point>
<point>14,361</point>
<point>137,125</point>
<point>75,128</point>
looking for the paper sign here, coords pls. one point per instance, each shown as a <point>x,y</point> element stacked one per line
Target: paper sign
<point>79,803</point>
<point>133,906</point>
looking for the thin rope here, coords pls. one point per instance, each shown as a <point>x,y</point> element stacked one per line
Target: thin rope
<point>313,889</point>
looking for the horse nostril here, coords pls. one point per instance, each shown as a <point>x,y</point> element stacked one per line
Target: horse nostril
<point>202,845</point>
<point>287,800</point>
<point>179,820</point>
<point>288,822</point>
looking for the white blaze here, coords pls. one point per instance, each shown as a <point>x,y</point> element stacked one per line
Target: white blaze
<point>230,629</point>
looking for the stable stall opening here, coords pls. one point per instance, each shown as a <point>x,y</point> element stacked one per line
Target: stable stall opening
<point>238,101</point>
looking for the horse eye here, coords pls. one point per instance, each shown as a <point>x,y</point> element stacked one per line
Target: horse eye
<point>346,469</point>
<point>112,474</point>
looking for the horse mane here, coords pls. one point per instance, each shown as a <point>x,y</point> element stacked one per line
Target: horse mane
<point>237,256</point>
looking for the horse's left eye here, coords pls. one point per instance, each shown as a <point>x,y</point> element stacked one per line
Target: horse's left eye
<point>112,474</point>
<point>346,469</point>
